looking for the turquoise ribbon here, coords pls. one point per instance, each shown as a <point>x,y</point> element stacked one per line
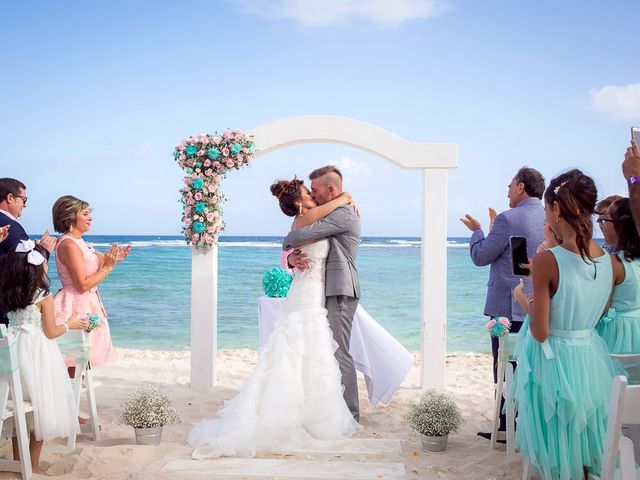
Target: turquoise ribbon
<point>612,313</point>
<point>507,346</point>
<point>553,332</point>
<point>8,359</point>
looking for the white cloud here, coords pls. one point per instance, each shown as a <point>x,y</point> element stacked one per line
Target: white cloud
<point>352,169</point>
<point>621,102</point>
<point>323,13</point>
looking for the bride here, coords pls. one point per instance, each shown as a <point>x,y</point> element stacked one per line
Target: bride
<point>294,394</point>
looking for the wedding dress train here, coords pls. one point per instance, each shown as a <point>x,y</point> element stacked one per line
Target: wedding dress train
<point>294,394</point>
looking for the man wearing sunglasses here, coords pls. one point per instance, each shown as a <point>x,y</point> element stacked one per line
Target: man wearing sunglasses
<point>13,199</point>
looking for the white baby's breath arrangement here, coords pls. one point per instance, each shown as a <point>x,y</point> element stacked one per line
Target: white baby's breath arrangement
<point>149,407</point>
<point>435,414</point>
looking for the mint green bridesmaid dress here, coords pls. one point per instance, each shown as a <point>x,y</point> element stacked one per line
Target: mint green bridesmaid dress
<point>620,327</point>
<point>562,386</point>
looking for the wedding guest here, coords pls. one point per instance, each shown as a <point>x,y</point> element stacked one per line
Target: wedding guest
<point>525,218</point>
<point>24,293</point>
<point>604,221</point>
<point>13,199</point>
<point>563,382</point>
<point>631,172</point>
<point>81,269</point>
<point>620,327</point>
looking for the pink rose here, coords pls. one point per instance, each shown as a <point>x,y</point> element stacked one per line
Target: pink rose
<point>188,180</point>
<point>211,229</point>
<point>225,152</point>
<point>182,157</point>
<point>208,172</point>
<point>218,178</point>
<point>230,163</point>
<point>226,134</point>
<point>239,158</point>
<point>238,136</point>
<point>200,153</point>
<point>217,140</point>
<point>198,196</point>
<point>207,163</point>
<point>216,214</point>
<point>210,217</point>
<point>190,201</point>
<point>187,221</point>
<point>181,147</point>
<point>195,237</point>
<point>216,165</point>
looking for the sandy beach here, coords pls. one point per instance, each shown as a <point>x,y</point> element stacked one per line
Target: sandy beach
<point>117,457</point>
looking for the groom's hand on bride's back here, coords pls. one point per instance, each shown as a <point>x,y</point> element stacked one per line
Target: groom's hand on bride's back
<point>298,260</point>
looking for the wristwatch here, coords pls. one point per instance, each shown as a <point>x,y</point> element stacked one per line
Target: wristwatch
<point>632,180</point>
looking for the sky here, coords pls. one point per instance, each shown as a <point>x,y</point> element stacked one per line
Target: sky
<point>95,95</point>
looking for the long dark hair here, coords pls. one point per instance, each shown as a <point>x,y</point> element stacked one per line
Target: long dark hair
<point>576,194</point>
<point>625,227</point>
<point>288,193</point>
<point>20,280</point>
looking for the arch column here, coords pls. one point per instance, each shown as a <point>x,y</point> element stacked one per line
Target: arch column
<point>433,306</point>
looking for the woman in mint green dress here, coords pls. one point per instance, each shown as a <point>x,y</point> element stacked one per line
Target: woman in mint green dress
<point>620,327</point>
<point>563,380</point>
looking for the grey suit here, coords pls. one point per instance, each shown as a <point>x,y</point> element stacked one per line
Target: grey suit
<point>342,286</point>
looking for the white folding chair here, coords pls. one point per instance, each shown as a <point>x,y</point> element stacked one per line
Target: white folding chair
<point>75,344</point>
<point>16,408</point>
<point>631,364</point>
<point>506,346</point>
<point>624,407</point>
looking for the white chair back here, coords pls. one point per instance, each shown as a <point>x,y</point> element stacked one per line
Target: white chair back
<point>11,387</point>
<point>631,364</point>
<point>624,407</point>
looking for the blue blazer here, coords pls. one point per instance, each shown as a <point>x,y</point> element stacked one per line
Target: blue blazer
<point>16,233</point>
<point>525,220</point>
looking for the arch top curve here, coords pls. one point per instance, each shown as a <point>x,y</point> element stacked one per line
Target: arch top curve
<point>299,130</point>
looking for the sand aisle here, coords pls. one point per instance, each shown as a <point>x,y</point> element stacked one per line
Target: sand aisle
<point>117,457</point>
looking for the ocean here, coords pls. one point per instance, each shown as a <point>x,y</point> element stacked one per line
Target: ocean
<point>147,297</point>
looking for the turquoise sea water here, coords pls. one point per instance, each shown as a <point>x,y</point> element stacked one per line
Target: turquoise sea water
<point>147,297</point>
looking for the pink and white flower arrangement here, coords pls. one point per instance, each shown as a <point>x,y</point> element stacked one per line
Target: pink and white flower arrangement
<point>498,326</point>
<point>206,159</point>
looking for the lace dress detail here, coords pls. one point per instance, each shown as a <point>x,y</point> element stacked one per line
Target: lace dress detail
<point>294,394</point>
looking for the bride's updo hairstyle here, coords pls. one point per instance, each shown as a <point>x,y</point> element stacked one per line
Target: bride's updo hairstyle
<point>288,193</point>
<point>576,194</point>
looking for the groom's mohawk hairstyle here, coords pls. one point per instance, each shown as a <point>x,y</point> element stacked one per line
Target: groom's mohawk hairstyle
<point>319,172</point>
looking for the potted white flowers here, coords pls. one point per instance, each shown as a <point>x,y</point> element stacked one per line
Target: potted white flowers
<point>434,417</point>
<point>147,410</point>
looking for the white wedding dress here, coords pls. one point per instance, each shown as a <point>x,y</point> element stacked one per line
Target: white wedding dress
<point>294,395</point>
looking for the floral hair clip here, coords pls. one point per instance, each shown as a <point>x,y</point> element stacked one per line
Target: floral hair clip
<point>555,190</point>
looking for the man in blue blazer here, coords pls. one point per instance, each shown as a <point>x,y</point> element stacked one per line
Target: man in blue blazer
<point>525,218</point>
<point>13,199</point>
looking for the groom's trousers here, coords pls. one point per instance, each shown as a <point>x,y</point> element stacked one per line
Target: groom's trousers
<point>341,310</point>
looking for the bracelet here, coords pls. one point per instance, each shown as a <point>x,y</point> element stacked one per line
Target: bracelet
<point>529,302</point>
<point>66,327</point>
<point>632,180</point>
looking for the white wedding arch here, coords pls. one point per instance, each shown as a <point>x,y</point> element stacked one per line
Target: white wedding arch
<point>433,159</point>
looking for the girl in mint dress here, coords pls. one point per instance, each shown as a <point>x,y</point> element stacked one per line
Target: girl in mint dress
<point>563,380</point>
<point>620,327</point>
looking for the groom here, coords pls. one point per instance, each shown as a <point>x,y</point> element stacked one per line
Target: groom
<point>342,287</point>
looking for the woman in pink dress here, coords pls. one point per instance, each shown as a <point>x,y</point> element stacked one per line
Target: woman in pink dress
<point>81,268</point>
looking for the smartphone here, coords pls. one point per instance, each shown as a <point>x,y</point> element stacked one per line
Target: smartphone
<point>518,247</point>
<point>635,134</point>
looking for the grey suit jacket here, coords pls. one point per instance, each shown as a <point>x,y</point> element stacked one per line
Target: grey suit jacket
<point>342,228</point>
<point>525,220</point>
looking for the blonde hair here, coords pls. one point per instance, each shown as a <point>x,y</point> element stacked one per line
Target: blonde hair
<point>65,212</point>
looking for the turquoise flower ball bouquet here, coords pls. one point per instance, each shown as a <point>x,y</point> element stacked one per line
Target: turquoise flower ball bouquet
<point>276,282</point>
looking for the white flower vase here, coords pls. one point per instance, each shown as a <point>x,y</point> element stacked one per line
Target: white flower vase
<point>434,444</point>
<point>148,436</point>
